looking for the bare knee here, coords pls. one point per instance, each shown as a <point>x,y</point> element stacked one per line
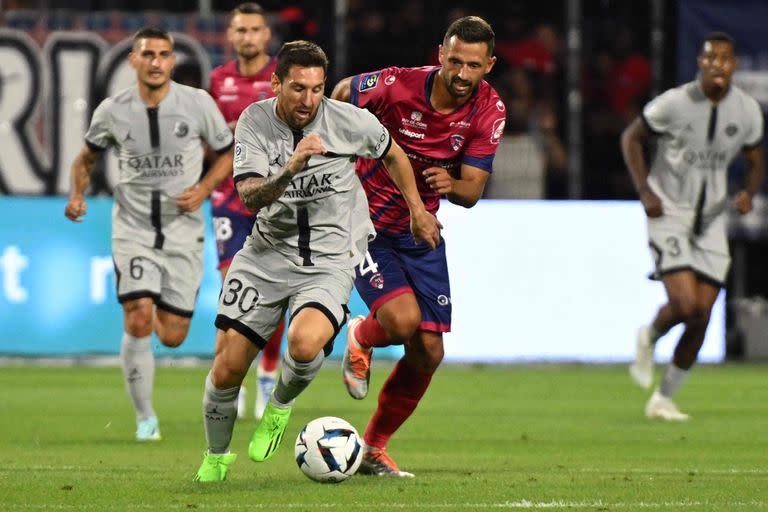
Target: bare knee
<point>137,317</point>
<point>424,352</point>
<point>171,338</point>
<point>310,330</point>
<point>172,329</point>
<point>304,345</point>
<point>687,309</point>
<point>400,324</point>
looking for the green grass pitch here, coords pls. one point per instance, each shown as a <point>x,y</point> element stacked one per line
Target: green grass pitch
<point>569,437</point>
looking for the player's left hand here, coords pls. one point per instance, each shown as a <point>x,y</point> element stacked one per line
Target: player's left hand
<point>425,228</point>
<point>191,199</point>
<point>439,180</point>
<point>743,202</point>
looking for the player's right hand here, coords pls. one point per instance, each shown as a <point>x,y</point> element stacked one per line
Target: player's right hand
<point>651,203</point>
<point>75,209</point>
<point>308,146</point>
<point>425,228</point>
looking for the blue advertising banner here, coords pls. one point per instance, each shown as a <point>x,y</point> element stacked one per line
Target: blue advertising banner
<point>58,293</point>
<point>530,281</point>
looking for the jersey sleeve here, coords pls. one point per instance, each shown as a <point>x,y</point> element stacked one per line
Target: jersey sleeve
<point>657,114</point>
<point>756,122</point>
<point>371,138</point>
<point>99,135</point>
<point>251,159</point>
<point>369,90</point>
<point>214,128</point>
<point>480,150</point>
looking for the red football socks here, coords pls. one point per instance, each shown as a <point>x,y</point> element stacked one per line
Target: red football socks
<point>370,333</point>
<point>397,400</point>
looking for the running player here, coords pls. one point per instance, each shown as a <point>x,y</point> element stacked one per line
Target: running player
<point>157,128</point>
<point>294,162</point>
<point>699,128</point>
<point>449,122</point>
<point>234,86</point>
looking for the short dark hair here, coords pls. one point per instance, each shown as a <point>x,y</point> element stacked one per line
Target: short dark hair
<point>247,8</point>
<point>722,37</point>
<point>300,53</point>
<point>471,29</point>
<point>152,33</point>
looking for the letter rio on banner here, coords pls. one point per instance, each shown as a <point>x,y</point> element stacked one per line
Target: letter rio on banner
<point>60,87</point>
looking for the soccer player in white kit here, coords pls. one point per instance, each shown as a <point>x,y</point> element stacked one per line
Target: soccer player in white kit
<point>295,163</point>
<point>157,128</point>
<point>699,128</point>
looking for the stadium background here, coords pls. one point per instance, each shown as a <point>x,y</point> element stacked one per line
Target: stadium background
<point>557,250</point>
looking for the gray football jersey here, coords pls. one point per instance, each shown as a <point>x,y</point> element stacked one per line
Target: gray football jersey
<point>322,217</point>
<point>697,142</point>
<point>160,153</point>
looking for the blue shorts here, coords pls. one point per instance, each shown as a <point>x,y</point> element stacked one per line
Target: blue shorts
<point>394,265</point>
<point>230,229</point>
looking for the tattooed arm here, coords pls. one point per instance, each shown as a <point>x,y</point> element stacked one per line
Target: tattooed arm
<point>257,192</point>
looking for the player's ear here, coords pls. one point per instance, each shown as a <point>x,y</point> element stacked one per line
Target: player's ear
<point>275,83</point>
<point>268,33</point>
<point>440,53</point>
<point>491,62</point>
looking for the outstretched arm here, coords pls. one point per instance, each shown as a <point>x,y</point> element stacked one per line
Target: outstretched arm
<point>633,138</point>
<point>424,226</point>
<point>80,179</point>
<point>257,192</point>
<point>755,158</point>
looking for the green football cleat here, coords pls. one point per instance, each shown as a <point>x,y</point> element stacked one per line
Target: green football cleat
<point>214,467</point>
<point>268,435</point>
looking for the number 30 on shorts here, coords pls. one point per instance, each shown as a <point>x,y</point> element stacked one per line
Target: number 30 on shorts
<point>245,297</point>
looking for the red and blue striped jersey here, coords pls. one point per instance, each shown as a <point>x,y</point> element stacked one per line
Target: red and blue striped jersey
<point>399,98</point>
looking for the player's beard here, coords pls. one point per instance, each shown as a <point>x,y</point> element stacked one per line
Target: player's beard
<point>457,81</point>
<point>249,52</point>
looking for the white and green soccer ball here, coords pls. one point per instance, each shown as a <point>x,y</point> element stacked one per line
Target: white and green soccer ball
<point>328,450</point>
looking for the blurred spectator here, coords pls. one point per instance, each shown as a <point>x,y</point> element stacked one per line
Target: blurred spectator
<point>617,82</point>
<point>544,129</point>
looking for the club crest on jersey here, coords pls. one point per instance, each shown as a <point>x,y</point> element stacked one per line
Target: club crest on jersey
<point>377,280</point>
<point>369,81</point>
<point>180,129</point>
<point>731,130</point>
<point>456,142</point>
<point>389,80</point>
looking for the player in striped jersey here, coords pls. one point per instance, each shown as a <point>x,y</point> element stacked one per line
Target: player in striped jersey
<point>699,128</point>
<point>449,122</point>
<point>157,128</point>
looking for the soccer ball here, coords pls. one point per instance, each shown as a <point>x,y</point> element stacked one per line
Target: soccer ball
<point>328,450</point>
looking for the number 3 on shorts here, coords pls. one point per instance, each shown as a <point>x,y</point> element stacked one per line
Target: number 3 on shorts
<point>368,265</point>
